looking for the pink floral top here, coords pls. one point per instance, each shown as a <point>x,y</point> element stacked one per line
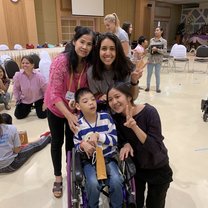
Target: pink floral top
<point>58,84</point>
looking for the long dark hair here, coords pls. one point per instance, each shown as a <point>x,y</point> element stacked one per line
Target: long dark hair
<point>70,49</point>
<point>4,78</point>
<point>121,66</point>
<point>126,26</point>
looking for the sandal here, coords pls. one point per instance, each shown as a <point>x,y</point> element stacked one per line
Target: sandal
<point>57,189</point>
<point>7,106</point>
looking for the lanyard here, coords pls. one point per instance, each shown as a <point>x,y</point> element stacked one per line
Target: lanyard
<point>71,78</point>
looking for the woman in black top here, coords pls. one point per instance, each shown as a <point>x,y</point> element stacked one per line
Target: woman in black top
<point>141,127</point>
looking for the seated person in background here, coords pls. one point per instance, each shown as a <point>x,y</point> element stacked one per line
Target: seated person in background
<point>97,129</point>
<point>44,64</point>
<point>4,85</point>
<point>140,51</point>
<point>12,155</point>
<point>29,88</point>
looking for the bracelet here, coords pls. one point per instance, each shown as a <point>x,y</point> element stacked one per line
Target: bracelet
<point>134,84</point>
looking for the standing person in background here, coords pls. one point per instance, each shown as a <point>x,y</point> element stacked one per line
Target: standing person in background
<point>127,26</point>
<point>67,74</point>
<point>29,88</point>
<point>111,66</point>
<point>112,24</point>
<point>140,126</point>
<point>4,86</point>
<point>157,48</point>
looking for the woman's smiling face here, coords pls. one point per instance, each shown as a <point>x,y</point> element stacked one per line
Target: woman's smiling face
<point>83,45</point>
<point>107,52</point>
<point>117,101</point>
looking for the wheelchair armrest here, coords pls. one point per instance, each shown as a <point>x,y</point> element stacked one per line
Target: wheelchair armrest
<point>78,168</point>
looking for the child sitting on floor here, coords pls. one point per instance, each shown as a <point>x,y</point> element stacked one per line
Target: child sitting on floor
<point>101,132</point>
<point>12,154</point>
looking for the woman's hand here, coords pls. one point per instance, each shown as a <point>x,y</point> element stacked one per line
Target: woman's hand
<point>73,122</point>
<point>88,148</point>
<point>154,49</point>
<point>125,151</point>
<point>103,97</point>
<point>130,122</point>
<point>138,72</point>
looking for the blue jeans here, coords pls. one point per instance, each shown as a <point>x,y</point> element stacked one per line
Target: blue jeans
<point>4,98</point>
<point>25,153</point>
<point>150,67</point>
<point>114,182</point>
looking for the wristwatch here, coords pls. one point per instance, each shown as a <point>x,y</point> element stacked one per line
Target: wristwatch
<point>134,84</point>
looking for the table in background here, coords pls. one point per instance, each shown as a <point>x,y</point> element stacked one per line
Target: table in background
<point>17,55</point>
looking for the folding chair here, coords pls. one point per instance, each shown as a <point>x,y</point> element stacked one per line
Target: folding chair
<point>179,52</point>
<point>201,57</point>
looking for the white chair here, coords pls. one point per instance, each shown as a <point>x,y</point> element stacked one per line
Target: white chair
<point>3,47</point>
<point>18,47</point>
<point>44,64</point>
<point>179,53</point>
<point>4,58</point>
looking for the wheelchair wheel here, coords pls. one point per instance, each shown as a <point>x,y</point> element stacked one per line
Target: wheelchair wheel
<point>76,197</point>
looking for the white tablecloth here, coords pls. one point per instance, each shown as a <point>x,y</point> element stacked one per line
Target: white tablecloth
<point>16,55</point>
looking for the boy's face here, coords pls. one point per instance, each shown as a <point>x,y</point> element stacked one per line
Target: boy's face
<point>87,103</point>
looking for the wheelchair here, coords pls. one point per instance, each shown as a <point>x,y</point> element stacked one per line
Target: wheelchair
<point>204,108</point>
<point>76,194</point>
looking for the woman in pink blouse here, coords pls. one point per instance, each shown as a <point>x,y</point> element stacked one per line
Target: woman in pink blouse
<point>67,74</point>
<point>29,88</point>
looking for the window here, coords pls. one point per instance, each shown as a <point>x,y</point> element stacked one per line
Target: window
<point>68,25</point>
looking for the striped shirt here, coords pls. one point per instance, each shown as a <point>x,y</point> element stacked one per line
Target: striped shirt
<point>106,129</point>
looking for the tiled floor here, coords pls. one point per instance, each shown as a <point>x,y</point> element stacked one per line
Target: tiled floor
<point>186,137</point>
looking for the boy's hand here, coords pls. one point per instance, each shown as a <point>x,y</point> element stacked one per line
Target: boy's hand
<point>88,148</point>
<point>93,139</point>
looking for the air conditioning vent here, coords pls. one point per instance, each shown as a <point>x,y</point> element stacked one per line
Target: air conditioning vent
<point>187,6</point>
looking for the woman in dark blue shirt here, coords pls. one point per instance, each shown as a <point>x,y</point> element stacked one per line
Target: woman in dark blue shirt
<point>140,128</point>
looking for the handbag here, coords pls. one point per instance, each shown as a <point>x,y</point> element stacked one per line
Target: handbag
<point>128,168</point>
<point>100,164</point>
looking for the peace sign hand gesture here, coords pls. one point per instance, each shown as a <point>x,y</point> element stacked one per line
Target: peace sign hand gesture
<point>130,122</point>
<point>138,72</point>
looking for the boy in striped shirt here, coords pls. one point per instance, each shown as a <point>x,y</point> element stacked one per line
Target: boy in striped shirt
<point>97,129</point>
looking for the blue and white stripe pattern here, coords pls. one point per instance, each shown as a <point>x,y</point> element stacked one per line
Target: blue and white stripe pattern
<point>107,133</point>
